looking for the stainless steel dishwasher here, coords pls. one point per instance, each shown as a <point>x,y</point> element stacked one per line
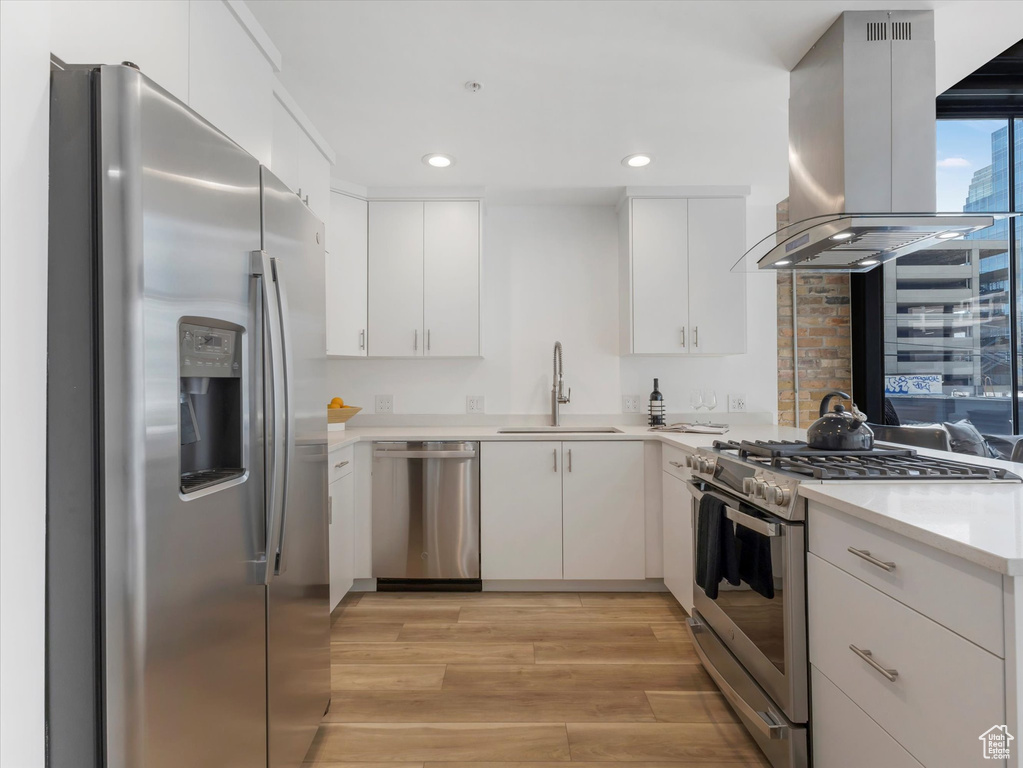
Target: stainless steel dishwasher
<point>426,511</point>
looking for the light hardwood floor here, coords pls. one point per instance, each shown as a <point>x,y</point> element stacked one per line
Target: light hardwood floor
<point>521,680</point>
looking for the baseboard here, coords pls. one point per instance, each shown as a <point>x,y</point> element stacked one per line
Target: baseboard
<point>563,585</point>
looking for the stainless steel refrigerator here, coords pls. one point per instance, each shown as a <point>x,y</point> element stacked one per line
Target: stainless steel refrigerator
<point>187,597</point>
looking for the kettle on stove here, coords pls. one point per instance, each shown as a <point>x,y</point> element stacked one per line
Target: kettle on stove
<point>839,429</point>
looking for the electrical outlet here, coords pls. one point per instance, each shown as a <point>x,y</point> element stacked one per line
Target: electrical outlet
<point>630,403</point>
<point>384,404</point>
<point>736,403</point>
<point>474,403</point>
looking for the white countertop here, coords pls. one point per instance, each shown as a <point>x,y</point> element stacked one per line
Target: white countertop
<point>979,522</point>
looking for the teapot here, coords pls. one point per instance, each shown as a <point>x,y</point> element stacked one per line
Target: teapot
<point>839,429</point>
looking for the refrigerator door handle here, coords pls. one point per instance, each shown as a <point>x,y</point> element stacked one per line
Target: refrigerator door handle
<point>273,385</point>
<point>289,424</point>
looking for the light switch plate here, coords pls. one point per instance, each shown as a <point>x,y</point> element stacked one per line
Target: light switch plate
<point>474,404</point>
<point>384,404</point>
<point>630,403</point>
<point>736,403</point>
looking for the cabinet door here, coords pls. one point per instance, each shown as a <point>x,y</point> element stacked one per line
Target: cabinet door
<point>604,514</point>
<point>660,277</point>
<point>520,510</point>
<point>717,295</point>
<point>451,267</point>
<point>347,276</point>
<point>341,495</point>
<point>396,279</point>
<point>678,539</point>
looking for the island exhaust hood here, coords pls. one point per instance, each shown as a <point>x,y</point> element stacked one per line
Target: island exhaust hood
<point>862,150</point>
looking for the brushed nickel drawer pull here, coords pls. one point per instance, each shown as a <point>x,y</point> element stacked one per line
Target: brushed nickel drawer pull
<point>865,555</point>
<point>867,656</point>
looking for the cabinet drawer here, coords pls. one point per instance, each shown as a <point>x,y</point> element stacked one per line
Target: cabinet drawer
<point>340,463</point>
<point>673,461</point>
<point>843,735</point>
<point>962,596</point>
<point>946,692</point>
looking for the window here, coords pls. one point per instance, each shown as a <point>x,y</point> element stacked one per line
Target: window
<point>948,324</point>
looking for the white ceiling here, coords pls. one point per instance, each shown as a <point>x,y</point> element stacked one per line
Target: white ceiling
<point>571,87</point>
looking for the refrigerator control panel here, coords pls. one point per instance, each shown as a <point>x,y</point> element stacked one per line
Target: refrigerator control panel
<point>208,351</point>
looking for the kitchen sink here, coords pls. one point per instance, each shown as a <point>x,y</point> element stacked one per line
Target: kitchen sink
<point>547,430</point>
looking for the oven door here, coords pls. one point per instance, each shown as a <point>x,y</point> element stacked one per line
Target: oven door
<point>767,635</point>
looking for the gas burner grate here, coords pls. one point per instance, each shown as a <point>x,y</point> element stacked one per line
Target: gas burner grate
<point>876,464</point>
<point>194,481</point>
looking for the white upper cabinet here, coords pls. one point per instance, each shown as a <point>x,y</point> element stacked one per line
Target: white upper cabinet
<point>396,279</point>
<point>660,306</point>
<point>230,82</point>
<point>424,278</point>
<point>717,295</point>
<point>347,276</point>
<point>604,514</point>
<point>678,294</point>
<point>451,292</point>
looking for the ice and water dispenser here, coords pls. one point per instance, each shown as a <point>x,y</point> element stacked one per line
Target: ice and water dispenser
<point>210,371</point>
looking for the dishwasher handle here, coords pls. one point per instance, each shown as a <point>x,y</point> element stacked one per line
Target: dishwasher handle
<point>420,454</point>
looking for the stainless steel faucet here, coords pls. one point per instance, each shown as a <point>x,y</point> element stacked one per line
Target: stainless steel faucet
<point>558,395</point>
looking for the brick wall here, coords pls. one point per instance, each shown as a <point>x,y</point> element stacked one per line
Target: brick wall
<point>822,336</point>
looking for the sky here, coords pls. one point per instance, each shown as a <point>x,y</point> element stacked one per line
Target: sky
<point>964,146</point>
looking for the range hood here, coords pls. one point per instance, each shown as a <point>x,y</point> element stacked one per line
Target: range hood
<point>862,150</point>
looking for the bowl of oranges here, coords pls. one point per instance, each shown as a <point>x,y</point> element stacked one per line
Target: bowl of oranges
<point>338,413</point>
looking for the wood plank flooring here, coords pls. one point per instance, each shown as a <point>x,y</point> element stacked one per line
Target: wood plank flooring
<point>521,680</point>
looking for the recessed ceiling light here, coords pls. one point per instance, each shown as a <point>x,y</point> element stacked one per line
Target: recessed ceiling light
<point>636,161</point>
<point>782,263</point>
<point>842,236</point>
<point>438,160</point>
<point>950,235</point>
<point>869,262</point>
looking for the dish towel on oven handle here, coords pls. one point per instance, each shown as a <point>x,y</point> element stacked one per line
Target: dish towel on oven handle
<point>755,567</point>
<point>716,556</point>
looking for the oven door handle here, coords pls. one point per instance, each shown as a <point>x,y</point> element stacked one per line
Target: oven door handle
<point>764,722</point>
<point>739,517</point>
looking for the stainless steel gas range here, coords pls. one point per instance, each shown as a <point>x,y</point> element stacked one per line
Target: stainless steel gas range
<point>749,625</point>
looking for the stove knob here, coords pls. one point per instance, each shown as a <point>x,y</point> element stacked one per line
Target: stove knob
<point>782,496</point>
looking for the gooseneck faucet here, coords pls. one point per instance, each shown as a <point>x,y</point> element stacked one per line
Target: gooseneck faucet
<point>558,395</point>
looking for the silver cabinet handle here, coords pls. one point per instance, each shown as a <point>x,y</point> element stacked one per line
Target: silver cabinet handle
<point>415,340</point>
<point>683,335</point>
<point>867,656</point>
<point>555,459</point>
<point>569,459</point>
<point>427,339</point>
<point>865,555</point>
<point>696,335</point>
<point>362,339</point>
<point>340,464</point>
<point>764,722</point>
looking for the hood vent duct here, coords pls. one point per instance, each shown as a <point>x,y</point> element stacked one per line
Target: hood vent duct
<point>862,149</point>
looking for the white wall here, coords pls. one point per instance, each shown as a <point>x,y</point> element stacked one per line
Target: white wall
<point>551,273</point>
<point>24,163</point>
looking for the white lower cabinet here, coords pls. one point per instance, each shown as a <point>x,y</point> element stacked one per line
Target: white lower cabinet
<point>930,689</point>
<point>845,737</point>
<point>677,520</point>
<point>520,510</point>
<point>341,498</point>
<point>552,510</point>
<point>604,517</point>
